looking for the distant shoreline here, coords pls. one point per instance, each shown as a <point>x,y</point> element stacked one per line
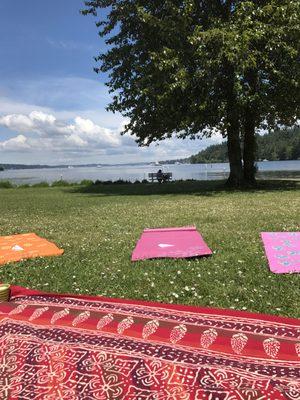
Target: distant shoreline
<point>8,167</point>
<point>37,166</point>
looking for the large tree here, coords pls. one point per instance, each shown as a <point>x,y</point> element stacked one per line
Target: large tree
<point>193,67</point>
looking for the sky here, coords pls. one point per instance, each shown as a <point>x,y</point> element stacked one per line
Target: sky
<point>52,103</point>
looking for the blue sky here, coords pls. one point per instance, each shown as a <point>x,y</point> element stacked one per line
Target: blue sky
<point>52,103</point>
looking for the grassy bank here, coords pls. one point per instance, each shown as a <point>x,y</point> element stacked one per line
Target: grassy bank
<point>99,225</point>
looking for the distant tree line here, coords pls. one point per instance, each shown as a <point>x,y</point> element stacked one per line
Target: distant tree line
<point>277,145</point>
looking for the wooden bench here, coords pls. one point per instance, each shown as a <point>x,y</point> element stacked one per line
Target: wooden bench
<point>166,176</point>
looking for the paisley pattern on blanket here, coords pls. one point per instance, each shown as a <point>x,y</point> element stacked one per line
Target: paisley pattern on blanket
<point>71,348</point>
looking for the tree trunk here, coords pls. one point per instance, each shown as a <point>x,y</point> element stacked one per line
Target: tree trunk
<point>249,151</point>
<point>236,177</point>
<point>250,118</point>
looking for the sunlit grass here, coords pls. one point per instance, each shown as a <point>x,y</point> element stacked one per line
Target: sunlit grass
<point>98,229</point>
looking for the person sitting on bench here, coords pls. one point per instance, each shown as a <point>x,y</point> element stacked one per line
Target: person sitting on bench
<point>159,176</point>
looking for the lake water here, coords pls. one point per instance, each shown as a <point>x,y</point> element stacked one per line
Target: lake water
<point>267,169</point>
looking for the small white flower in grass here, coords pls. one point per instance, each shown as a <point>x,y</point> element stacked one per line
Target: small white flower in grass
<point>175,295</point>
<point>178,272</point>
<point>187,288</point>
<point>152,284</point>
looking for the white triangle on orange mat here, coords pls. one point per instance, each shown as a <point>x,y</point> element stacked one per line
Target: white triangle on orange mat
<point>163,245</point>
<point>17,248</point>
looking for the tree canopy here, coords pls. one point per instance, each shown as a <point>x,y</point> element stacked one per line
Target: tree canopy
<point>190,68</point>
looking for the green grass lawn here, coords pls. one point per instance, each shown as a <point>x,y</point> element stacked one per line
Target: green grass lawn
<point>99,226</point>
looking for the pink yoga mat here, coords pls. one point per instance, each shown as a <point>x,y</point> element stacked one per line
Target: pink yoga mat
<point>170,242</point>
<point>283,251</point>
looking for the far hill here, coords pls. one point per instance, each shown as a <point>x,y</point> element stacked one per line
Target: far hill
<point>274,146</point>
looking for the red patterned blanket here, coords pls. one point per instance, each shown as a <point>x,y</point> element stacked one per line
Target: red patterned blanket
<point>55,347</point>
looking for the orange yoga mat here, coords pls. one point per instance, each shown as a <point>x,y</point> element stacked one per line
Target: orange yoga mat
<point>27,245</point>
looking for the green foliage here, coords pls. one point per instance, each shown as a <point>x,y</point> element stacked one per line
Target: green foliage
<point>24,186</point>
<point>214,153</point>
<point>171,63</point>
<point>61,183</point>
<point>6,185</point>
<point>281,144</point>
<point>86,182</point>
<point>40,185</point>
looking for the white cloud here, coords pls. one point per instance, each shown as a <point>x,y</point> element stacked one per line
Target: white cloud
<point>80,131</point>
<point>40,116</point>
<point>70,45</point>
<point>48,139</point>
<point>43,134</point>
<point>76,140</point>
<point>17,122</point>
<point>90,130</point>
<point>15,144</point>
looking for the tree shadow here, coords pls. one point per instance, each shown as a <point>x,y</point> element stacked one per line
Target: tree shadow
<point>188,187</point>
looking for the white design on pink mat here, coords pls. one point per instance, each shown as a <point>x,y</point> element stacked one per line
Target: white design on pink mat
<point>178,333</point>
<point>271,347</point>
<point>59,314</point>
<point>81,318</point>
<point>150,328</point>
<point>208,337</point>
<point>107,319</point>
<point>238,342</point>
<point>18,310</point>
<point>38,312</point>
<point>125,324</point>
<point>297,346</point>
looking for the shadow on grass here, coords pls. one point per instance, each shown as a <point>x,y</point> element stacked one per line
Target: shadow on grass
<point>200,188</point>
